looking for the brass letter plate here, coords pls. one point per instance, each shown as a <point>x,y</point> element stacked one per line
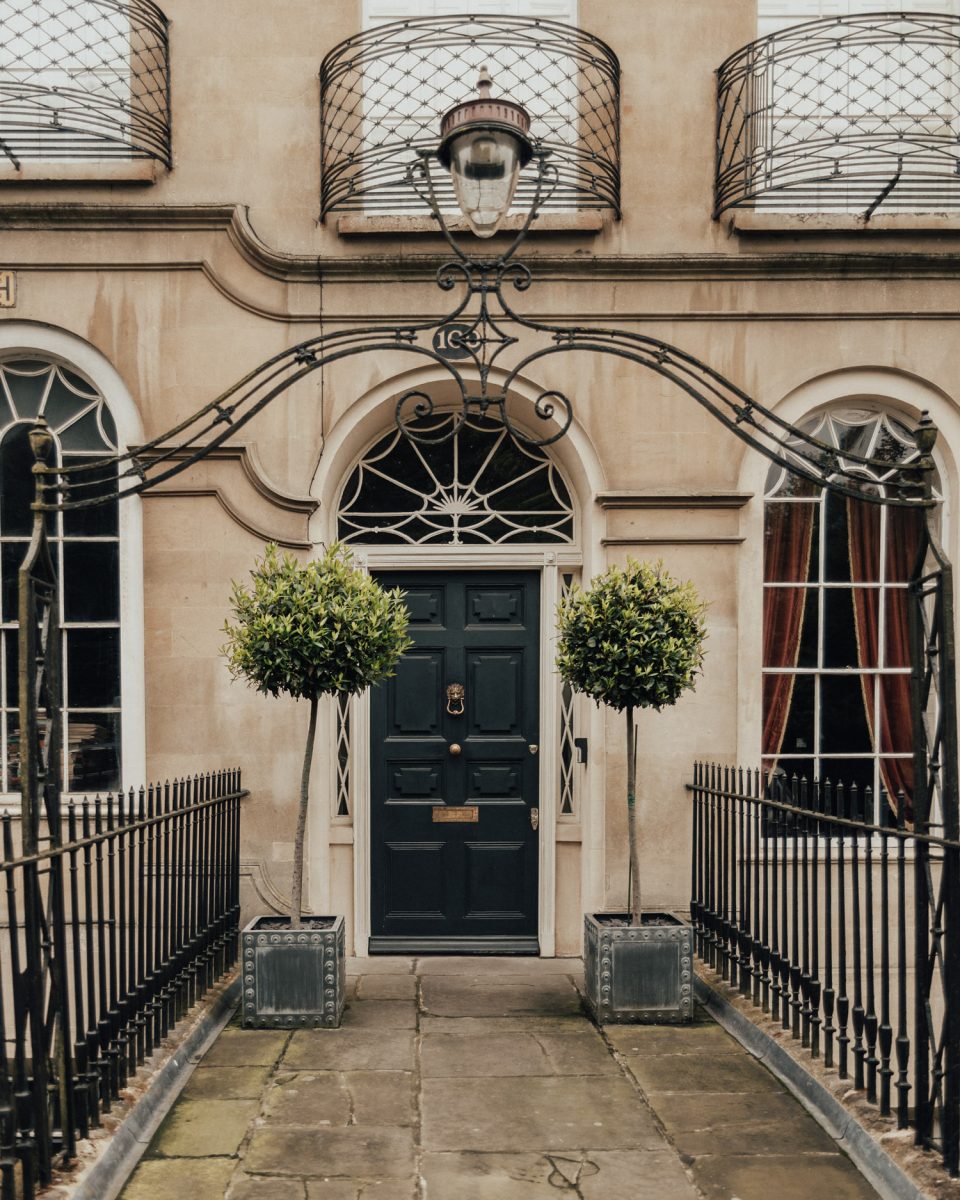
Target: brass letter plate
<point>468,815</point>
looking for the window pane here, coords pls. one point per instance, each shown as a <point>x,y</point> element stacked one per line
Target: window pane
<point>16,482</point>
<point>93,668</point>
<point>836,548</point>
<point>897,634</point>
<point>93,752</point>
<point>843,717</point>
<point>91,581</point>
<point>12,782</point>
<point>788,700</point>
<point>857,776</point>
<point>904,536</point>
<point>850,627</point>
<point>790,542</point>
<point>11,556</point>
<point>27,381</point>
<point>11,690</point>
<point>789,627</point>
<point>896,726</point>
<point>100,521</point>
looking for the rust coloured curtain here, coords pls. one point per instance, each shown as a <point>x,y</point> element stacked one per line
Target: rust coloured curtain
<point>788,539</point>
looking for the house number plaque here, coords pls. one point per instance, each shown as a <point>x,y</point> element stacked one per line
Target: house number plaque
<point>468,815</point>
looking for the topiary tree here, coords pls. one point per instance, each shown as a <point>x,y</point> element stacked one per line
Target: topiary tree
<point>633,640</point>
<point>323,628</point>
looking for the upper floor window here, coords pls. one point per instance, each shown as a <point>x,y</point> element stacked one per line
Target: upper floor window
<point>82,82</point>
<point>384,90</point>
<point>836,655</point>
<point>85,545</point>
<point>846,106</point>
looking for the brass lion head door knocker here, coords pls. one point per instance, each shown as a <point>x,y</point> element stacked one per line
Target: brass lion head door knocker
<point>455,695</point>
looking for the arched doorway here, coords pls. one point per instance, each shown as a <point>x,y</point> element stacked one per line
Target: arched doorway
<point>483,533</point>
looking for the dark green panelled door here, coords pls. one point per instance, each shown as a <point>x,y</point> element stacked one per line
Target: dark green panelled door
<point>466,884</point>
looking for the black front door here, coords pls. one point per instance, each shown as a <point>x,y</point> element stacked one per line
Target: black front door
<point>454,808</point>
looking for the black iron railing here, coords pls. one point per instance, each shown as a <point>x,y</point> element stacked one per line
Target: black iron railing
<point>84,80</point>
<point>105,941</point>
<point>382,93</point>
<point>845,932</point>
<point>847,113</point>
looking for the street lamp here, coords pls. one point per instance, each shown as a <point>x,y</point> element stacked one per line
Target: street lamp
<point>484,144</point>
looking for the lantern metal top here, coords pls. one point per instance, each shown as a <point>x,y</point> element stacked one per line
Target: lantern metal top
<point>483,112</point>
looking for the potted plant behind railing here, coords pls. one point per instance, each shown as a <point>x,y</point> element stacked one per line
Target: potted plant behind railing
<point>324,628</point>
<point>634,640</point>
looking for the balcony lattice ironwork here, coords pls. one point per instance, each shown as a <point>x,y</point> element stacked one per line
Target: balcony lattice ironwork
<point>83,81</point>
<point>850,114</point>
<point>381,92</point>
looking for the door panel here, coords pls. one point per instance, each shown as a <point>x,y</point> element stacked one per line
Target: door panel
<point>454,852</point>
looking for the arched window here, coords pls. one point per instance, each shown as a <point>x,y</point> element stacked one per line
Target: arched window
<point>85,548</point>
<point>480,487</point>
<point>836,657</point>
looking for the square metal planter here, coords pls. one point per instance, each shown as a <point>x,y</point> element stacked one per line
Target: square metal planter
<point>639,974</point>
<point>292,978</point>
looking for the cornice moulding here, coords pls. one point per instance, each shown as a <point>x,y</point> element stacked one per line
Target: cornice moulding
<point>377,269</point>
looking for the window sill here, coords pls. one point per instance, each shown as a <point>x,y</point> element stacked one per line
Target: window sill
<point>140,170</point>
<point>358,225</point>
<point>748,222</point>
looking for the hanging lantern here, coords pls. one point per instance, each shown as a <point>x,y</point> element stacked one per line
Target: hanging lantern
<point>483,144</point>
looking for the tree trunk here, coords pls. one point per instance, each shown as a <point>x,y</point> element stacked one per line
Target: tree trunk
<point>296,890</point>
<point>632,819</point>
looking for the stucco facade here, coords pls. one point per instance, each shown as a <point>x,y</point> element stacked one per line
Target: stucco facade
<point>164,292</point>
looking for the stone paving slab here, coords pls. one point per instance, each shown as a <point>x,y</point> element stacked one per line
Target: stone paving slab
<point>204,1128</point>
<point>455,1055</point>
<point>174,1179</point>
<point>237,1047</point>
<point>528,1114</point>
<point>354,1153</point>
<point>385,965</point>
<point>701,1073</point>
<point>270,1187</point>
<point>592,1175</point>
<point>350,1050</point>
<point>440,964</point>
<point>387,987</point>
<point>226,1083</point>
<point>318,1099</point>
<point>487,1026</point>
<point>380,1014</point>
<point>785,1177</point>
<point>498,995</point>
<point>701,1123</point>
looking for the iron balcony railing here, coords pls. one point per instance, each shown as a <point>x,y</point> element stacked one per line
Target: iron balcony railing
<point>852,114</point>
<point>105,941</point>
<point>84,80</point>
<point>382,93</point>
<point>847,933</point>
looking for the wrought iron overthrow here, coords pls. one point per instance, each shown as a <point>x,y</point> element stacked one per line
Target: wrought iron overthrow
<point>858,114</point>
<point>478,345</point>
<point>84,80</point>
<point>381,91</point>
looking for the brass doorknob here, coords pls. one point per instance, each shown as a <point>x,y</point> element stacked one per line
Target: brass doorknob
<point>454,749</point>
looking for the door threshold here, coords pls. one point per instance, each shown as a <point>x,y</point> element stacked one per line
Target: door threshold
<point>397,944</point>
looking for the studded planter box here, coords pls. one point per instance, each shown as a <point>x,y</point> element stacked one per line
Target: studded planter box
<point>638,974</point>
<point>292,978</point>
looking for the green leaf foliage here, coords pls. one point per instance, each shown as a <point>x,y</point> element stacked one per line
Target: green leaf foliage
<point>315,629</point>
<point>634,639</point>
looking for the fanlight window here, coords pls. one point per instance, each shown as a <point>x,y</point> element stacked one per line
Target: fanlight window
<point>85,545</point>
<point>480,487</point>
<point>836,655</point>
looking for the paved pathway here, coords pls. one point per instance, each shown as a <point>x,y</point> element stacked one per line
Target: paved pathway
<point>480,1079</point>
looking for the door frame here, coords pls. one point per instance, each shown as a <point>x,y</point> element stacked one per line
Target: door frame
<point>452,559</point>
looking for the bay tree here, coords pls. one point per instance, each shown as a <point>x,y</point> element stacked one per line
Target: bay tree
<point>633,639</point>
<point>306,630</point>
